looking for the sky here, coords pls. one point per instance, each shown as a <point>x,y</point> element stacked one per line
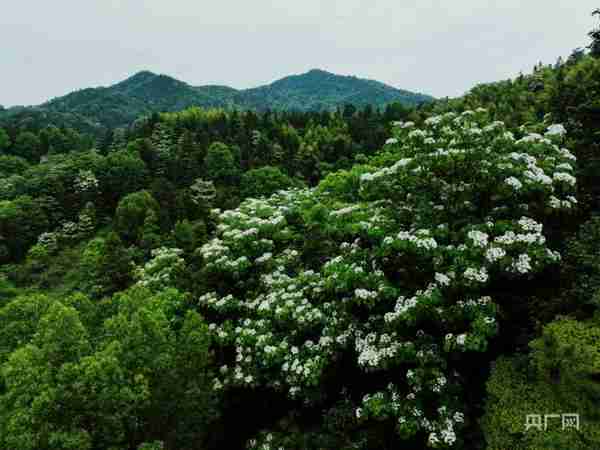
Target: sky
<point>442,48</point>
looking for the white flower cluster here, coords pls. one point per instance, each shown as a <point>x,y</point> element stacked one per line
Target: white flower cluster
<point>420,238</point>
<point>69,229</point>
<point>365,294</point>
<point>514,183</point>
<point>556,129</point>
<point>48,240</point>
<point>86,181</point>
<point>394,168</point>
<point>479,238</point>
<point>494,254</point>
<point>473,274</point>
<point>404,305</point>
<point>344,211</point>
<point>522,264</point>
<point>565,178</point>
<point>157,273</point>
<point>374,349</point>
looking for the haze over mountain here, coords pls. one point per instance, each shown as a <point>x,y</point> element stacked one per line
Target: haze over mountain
<point>147,92</point>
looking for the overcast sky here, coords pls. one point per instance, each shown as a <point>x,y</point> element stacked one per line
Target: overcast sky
<point>49,48</point>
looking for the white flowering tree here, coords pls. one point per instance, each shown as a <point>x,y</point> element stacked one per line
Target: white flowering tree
<point>389,264</point>
<point>160,271</point>
<point>86,184</point>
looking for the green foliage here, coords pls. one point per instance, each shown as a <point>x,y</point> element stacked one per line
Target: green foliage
<point>120,173</point>
<point>187,235</point>
<point>87,220</point>
<point>581,271</point>
<point>28,145</point>
<point>203,193</point>
<point>264,181</point>
<point>150,234</point>
<point>320,90</point>
<point>107,266</point>
<point>4,140</point>
<point>560,376</point>
<point>67,389</point>
<point>12,165</point>
<point>22,220</point>
<point>19,319</point>
<point>220,165</point>
<point>132,213</point>
<point>7,290</point>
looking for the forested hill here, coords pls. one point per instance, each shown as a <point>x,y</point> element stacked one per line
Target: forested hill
<point>319,90</point>
<point>146,92</point>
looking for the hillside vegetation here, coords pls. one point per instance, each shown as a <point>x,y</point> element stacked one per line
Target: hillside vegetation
<point>410,277</point>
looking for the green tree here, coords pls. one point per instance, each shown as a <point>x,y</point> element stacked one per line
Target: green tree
<point>12,165</point>
<point>219,164</point>
<point>4,140</point>
<point>184,236</point>
<point>264,182</point>
<point>53,140</point>
<point>119,173</point>
<point>19,319</point>
<point>131,214</point>
<point>106,266</point>
<point>28,145</point>
<point>22,220</point>
<point>33,403</point>
<point>143,378</point>
<point>150,233</point>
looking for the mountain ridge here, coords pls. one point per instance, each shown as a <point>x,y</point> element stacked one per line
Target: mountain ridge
<point>146,92</point>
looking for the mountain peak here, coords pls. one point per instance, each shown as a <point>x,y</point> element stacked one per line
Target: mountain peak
<point>141,75</point>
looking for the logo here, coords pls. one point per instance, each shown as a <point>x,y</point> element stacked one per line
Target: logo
<point>570,420</point>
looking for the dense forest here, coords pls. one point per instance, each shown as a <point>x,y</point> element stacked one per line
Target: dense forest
<point>415,275</point>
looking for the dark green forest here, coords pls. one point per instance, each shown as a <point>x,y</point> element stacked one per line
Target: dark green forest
<point>278,271</point>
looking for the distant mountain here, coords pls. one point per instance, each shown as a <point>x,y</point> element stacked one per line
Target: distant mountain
<point>146,92</point>
<point>321,90</point>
